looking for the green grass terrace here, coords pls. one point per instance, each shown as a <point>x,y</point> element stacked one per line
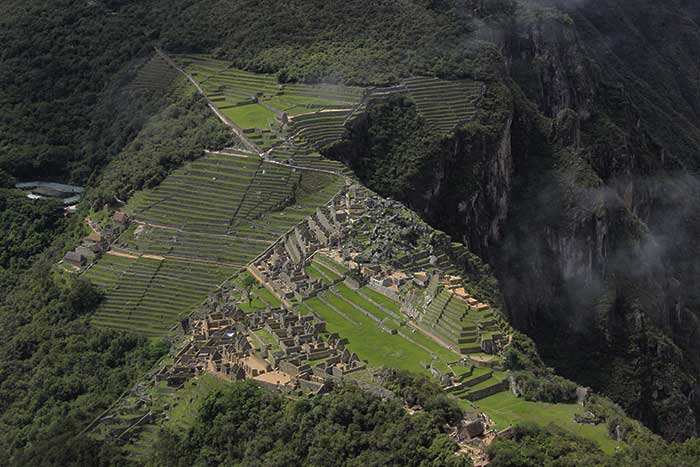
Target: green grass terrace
<point>366,324</point>
<point>321,129</point>
<point>149,296</point>
<point>303,155</point>
<point>444,104</point>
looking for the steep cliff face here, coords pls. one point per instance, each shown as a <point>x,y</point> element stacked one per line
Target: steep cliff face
<point>592,260</point>
<point>576,184</point>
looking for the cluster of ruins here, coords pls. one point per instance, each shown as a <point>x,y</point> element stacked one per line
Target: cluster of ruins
<point>278,348</point>
<point>281,267</point>
<point>97,241</point>
<point>284,348</point>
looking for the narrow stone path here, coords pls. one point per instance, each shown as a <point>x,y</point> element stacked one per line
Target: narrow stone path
<point>238,131</point>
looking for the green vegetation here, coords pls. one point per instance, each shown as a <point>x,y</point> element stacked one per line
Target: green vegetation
<point>80,92</point>
<point>253,101</point>
<point>303,156</point>
<point>391,148</point>
<point>383,300</point>
<point>357,299</point>
<point>150,296</point>
<point>328,275</point>
<point>59,372</point>
<point>266,339</point>
<point>230,194</point>
<point>506,409</point>
<point>27,227</point>
<point>534,446</point>
<point>175,134</point>
<point>369,340</point>
<point>253,305</point>
<point>245,424</point>
<point>250,116</point>
<point>321,129</point>
<point>267,297</point>
<point>351,43</point>
<point>416,389</point>
<point>63,118</point>
<point>189,400</point>
<point>444,105</point>
<point>203,222</point>
<point>365,337</point>
<point>451,319</point>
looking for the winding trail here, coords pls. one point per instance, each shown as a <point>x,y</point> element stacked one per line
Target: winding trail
<point>224,119</point>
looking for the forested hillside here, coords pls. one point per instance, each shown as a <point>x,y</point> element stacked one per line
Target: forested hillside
<point>570,175</point>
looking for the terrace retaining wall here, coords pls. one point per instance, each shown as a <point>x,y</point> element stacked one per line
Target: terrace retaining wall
<point>489,391</point>
<point>385,291</point>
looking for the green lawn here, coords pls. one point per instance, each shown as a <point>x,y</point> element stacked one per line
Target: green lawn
<point>303,100</point>
<point>329,263</point>
<point>382,299</point>
<point>444,355</point>
<point>290,109</point>
<point>313,273</point>
<point>250,116</point>
<point>330,274</point>
<point>255,304</point>
<point>360,301</point>
<point>367,340</point>
<point>267,296</point>
<point>506,409</point>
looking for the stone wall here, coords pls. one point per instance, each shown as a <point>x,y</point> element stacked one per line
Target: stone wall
<point>481,393</point>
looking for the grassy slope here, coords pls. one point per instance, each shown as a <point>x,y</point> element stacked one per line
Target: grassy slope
<point>189,399</point>
<point>250,116</point>
<point>506,409</point>
<point>378,347</point>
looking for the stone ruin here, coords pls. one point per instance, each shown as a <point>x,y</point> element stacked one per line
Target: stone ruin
<point>224,343</point>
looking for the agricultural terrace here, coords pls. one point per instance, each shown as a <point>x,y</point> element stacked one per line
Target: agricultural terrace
<point>302,155</point>
<point>444,104</point>
<point>255,102</point>
<point>379,333</point>
<point>321,129</point>
<point>224,207</point>
<point>366,338</point>
<point>148,295</point>
<point>182,406</point>
<point>155,74</point>
<point>203,223</point>
<point>454,321</point>
<point>371,322</point>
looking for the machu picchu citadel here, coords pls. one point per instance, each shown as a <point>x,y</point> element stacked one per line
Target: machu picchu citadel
<point>334,233</point>
<point>268,262</point>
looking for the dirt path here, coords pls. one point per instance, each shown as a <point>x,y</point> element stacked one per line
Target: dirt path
<point>238,131</point>
<point>226,236</point>
<point>180,258</point>
<point>122,254</point>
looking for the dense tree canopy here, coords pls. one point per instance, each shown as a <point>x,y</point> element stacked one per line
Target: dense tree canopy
<point>57,372</point>
<point>248,426</point>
